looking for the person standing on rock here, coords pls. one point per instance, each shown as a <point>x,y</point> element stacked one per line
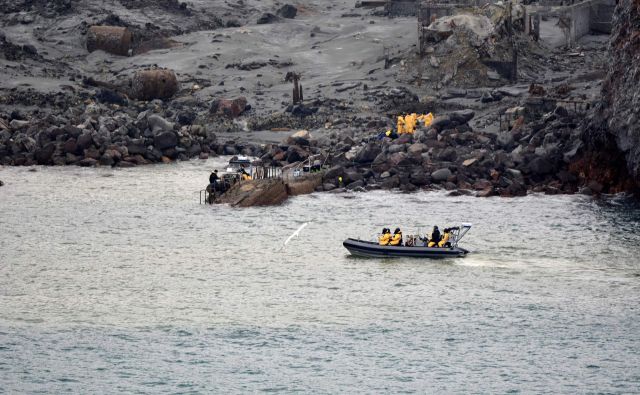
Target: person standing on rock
<point>400,124</point>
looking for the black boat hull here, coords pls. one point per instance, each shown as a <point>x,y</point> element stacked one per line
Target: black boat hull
<point>374,250</point>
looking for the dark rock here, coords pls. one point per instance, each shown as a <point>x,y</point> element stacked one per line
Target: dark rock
<point>419,178</point>
<point>327,186</point>
<point>405,138</point>
<point>106,160</point>
<point>287,11</point>
<point>352,176</point>
<point>441,175</point>
<point>390,182</point>
<point>462,116</point>
<point>186,117</point>
<point>486,192</point>
<point>540,166</point>
<point>300,110</point>
<point>136,148</point>
<point>43,155</point>
<point>455,92</point>
<point>267,18</point>
<point>92,153</point>
<point>230,150</point>
<point>417,149</point>
<point>561,112</point>
<point>355,184</point>
<point>595,186</point>
<point>448,154</point>
<point>126,164</point>
<point>84,141</point>
<point>368,153</point>
<point>87,162</point>
<point>334,172</point>
<point>165,140</point>
<point>482,184</point>
<point>111,97</point>
<point>296,154</point>
<point>395,148</point>
<point>441,122</point>
<point>70,146</point>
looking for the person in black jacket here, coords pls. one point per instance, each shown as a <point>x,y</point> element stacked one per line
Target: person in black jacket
<point>213,177</point>
<point>435,237</point>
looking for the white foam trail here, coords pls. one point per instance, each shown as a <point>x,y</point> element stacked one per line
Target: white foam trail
<point>294,234</point>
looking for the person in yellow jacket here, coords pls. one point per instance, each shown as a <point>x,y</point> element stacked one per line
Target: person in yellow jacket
<point>396,240</point>
<point>400,124</point>
<point>245,176</point>
<point>385,238</point>
<point>445,238</point>
<point>410,123</point>
<point>426,119</point>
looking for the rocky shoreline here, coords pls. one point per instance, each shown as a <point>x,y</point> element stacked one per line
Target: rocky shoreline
<point>126,121</point>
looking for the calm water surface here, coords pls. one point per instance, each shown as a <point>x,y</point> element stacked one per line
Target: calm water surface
<point>119,281</point>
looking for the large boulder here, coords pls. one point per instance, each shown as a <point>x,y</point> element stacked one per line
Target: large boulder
<point>368,153</point>
<point>441,175</point>
<point>157,124</point>
<point>417,148</point>
<point>296,154</point>
<point>165,140</point>
<point>302,137</point>
<point>267,18</point>
<point>441,122</point>
<point>540,166</point>
<point>84,141</point>
<point>267,192</point>
<point>334,172</point>
<point>43,155</point>
<point>461,117</point>
<point>287,11</point>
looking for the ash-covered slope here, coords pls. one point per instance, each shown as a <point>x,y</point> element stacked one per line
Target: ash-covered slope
<point>614,128</point>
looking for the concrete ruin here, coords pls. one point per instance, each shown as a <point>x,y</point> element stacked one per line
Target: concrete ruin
<point>576,18</point>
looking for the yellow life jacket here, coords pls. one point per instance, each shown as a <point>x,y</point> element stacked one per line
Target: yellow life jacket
<point>432,244</point>
<point>400,125</point>
<point>384,239</point>
<point>397,239</point>
<point>427,119</point>
<point>410,123</point>
<point>444,240</point>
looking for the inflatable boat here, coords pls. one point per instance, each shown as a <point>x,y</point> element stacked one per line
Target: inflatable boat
<point>372,249</point>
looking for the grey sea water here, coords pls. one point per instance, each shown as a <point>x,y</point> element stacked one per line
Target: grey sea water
<point>119,281</point>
